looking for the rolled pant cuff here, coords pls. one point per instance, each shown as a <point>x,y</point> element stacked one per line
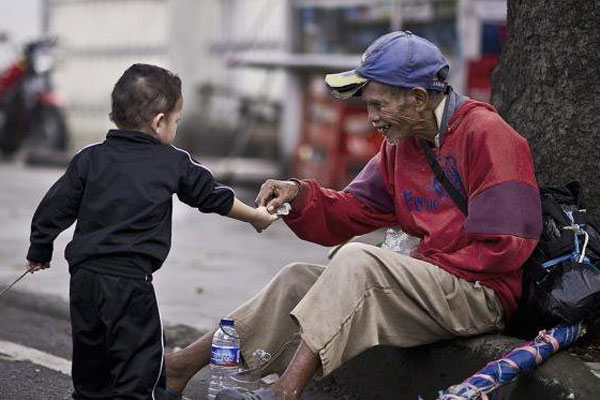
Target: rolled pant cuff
<point>320,349</point>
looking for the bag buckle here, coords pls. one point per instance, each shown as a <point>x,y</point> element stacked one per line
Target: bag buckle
<point>577,229</point>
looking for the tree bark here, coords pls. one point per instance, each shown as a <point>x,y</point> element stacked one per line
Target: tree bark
<point>547,86</point>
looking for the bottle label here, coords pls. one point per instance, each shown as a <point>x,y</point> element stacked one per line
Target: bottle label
<point>225,356</point>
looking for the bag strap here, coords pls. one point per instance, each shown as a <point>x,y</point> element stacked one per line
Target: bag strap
<point>594,243</point>
<point>442,178</point>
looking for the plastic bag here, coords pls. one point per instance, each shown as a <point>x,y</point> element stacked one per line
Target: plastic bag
<point>569,294</point>
<point>400,242</point>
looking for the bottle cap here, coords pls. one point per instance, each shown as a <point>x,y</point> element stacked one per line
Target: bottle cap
<point>226,322</point>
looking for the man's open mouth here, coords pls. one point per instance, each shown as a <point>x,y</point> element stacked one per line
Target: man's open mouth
<point>383,129</point>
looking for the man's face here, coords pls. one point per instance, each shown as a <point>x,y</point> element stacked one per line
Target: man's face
<point>168,130</point>
<point>391,111</point>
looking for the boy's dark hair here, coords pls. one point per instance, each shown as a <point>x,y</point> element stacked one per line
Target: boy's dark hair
<point>142,92</point>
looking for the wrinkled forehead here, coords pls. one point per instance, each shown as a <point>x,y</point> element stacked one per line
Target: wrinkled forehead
<point>376,92</point>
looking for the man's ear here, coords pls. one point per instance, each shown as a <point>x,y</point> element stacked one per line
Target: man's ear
<point>421,97</point>
<point>157,122</point>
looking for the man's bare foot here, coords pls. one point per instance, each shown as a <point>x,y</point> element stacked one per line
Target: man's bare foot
<point>177,378</point>
<point>261,394</point>
<point>283,393</point>
<point>183,364</point>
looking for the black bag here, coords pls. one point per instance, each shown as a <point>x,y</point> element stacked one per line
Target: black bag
<point>561,281</point>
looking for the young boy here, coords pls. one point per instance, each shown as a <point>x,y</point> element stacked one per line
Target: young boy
<point>120,192</point>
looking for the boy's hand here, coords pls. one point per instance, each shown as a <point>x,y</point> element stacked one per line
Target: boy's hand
<point>262,219</point>
<point>33,266</point>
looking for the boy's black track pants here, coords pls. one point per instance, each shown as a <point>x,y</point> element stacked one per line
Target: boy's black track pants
<point>118,347</point>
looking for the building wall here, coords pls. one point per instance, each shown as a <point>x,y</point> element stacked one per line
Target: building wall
<point>100,38</point>
<point>257,27</point>
<point>194,38</point>
<point>21,24</point>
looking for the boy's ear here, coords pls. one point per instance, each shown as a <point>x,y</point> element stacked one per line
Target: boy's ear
<point>157,121</point>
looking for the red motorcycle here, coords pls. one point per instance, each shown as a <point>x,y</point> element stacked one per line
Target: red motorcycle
<point>31,116</point>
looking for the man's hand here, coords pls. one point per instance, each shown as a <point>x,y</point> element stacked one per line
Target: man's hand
<point>274,193</point>
<point>33,266</point>
<point>262,219</point>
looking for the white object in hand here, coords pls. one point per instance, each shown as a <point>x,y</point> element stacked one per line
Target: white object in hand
<point>283,209</point>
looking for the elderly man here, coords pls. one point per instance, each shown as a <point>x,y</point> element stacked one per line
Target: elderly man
<point>450,172</point>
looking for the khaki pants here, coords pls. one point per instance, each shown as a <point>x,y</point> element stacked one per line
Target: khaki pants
<point>365,297</point>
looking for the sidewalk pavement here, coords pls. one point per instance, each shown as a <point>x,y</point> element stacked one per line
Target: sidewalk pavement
<point>214,265</point>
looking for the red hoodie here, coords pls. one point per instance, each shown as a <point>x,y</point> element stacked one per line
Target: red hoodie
<point>485,159</point>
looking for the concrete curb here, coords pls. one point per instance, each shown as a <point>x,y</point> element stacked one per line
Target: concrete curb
<point>56,307</point>
<point>392,373</point>
<point>50,305</point>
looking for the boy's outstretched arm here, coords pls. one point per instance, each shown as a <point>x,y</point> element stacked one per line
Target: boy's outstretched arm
<point>198,188</point>
<point>259,217</point>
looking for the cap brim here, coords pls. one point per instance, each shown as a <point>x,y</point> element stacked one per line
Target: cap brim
<point>345,84</point>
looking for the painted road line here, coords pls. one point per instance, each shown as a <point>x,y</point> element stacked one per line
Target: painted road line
<point>38,357</point>
<point>594,367</point>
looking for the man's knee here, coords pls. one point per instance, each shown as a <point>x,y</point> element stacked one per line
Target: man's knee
<point>354,253</point>
<point>297,278</point>
<point>298,270</point>
<point>354,259</point>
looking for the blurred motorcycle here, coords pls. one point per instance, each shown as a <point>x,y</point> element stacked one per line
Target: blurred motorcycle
<point>30,113</point>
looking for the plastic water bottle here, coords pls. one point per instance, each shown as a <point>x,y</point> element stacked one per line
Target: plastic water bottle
<point>225,357</point>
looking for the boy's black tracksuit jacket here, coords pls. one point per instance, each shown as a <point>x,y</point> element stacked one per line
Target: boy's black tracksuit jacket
<point>120,192</point>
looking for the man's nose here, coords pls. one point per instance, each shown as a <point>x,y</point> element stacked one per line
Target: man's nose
<point>373,114</point>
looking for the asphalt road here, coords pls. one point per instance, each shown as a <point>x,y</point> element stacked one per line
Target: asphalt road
<point>22,379</point>
<point>26,380</point>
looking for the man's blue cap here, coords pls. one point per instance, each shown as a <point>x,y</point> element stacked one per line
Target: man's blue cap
<point>396,59</point>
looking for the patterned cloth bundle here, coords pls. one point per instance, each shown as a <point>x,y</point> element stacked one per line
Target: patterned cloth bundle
<point>520,359</point>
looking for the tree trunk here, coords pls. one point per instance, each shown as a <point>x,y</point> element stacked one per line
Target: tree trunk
<point>547,86</point>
